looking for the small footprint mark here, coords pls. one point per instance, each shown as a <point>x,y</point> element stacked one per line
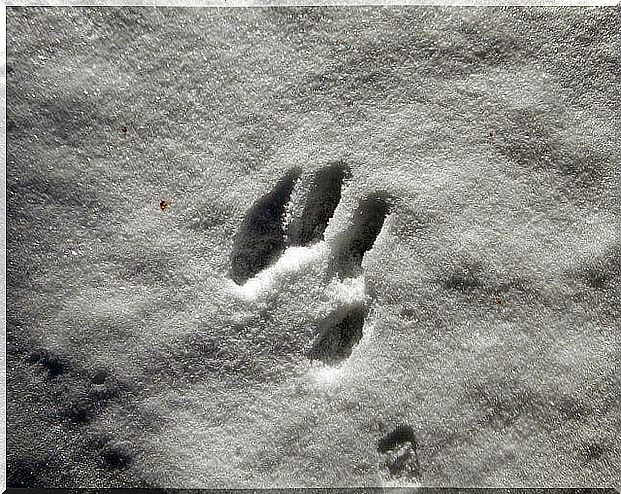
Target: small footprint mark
<point>399,452</point>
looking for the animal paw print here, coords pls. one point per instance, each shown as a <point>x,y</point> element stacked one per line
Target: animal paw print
<point>284,229</point>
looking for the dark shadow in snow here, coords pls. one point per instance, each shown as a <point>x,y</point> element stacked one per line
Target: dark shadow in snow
<point>338,336</point>
<point>90,399</point>
<point>84,409</point>
<point>52,363</point>
<point>323,198</point>
<point>593,450</point>
<point>100,377</point>
<point>117,455</point>
<point>261,237</point>
<point>467,274</point>
<point>360,236</point>
<point>603,271</point>
<point>26,473</point>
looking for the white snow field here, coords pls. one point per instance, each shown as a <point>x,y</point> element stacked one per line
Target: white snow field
<point>391,254</point>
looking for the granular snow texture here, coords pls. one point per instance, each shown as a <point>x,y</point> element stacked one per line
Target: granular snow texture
<point>391,253</point>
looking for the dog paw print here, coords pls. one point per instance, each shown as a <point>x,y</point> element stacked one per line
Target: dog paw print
<point>286,228</point>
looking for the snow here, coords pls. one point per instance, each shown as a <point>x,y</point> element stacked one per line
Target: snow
<point>492,290</point>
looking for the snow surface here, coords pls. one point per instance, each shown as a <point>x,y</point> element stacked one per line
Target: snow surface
<point>493,288</point>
